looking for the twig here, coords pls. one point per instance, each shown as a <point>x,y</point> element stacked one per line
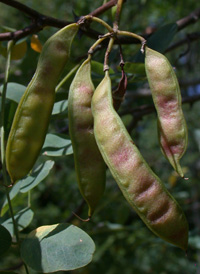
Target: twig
<point>103,8</point>
<point>40,21</point>
<point>147,109</point>
<point>188,20</point>
<point>191,37</point>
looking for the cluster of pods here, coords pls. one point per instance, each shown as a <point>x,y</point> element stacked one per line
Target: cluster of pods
<point>99,137</point>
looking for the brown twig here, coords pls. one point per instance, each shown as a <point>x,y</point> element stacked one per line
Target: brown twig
<point>191,37</point>
<point>103,8</point>
<point>192,18</point>
<point>143,110</point>
<point>39,21</point>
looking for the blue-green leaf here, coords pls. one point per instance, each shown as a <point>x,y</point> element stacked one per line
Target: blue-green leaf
<point>56,145</point>
<point>23,219</point>
<point>60,107</point>
<point>29,182</point>
<point>14,91</point>
<point>37,176</point>
<point>13,193</point>
<point>57,247</point>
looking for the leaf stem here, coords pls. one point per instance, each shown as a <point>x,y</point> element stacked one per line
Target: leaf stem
<point>131,34</point>
<point>95,19</point>
<point>2,122</point>
<point>3,100</point>
<point>109,48</point>
<point>98,42</point>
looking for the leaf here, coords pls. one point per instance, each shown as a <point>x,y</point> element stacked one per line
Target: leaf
<point>23,219</point>
<point>5,240</point>
<point>118,94</point>
<point>35,43</point>
<point>60,107</point>
<point>29,182</point>
<point>160,40</point>
<point>18,51</point>
<point>57,247</point>
<point>55,145</point>
<point>14,91</point>
<point>97,68</point>
<point>197,137</point>
<point>13,192</point>
<point>37,176</point>
<point>135,68</point>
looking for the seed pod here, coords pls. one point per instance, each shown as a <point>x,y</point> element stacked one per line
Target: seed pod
<point>139,185</point>
<point>89,164</point>
<point>166,94</point>
<point>32,116</point>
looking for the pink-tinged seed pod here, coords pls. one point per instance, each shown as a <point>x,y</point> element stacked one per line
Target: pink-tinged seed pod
<point>140,186</point>
<point>89,164</point>
<point>172,129</point>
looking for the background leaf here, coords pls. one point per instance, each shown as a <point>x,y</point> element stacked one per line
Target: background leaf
<point>97,68</point>
<point>159,40</point>
<point>35,43</point>
<point>57,247</point>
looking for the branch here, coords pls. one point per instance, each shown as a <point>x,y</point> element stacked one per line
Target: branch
<point>103,8</point>
<point>188,20</point>
<point>39,21</point>
<point>191,37</point>
<point>143,110</point>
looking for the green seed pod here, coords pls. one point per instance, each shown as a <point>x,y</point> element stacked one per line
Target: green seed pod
<point>140,186</point>
<point>166,94</point>
<point>89,164</point>
<point>32,116</point>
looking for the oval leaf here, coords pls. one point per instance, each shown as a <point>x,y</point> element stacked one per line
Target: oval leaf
<point>59,107</point>
<point>13,193</point>
<point>160,40</point>
<point>38,175</point>
<point>29,182</point>
<point>55,145</point>
<point>18,51</point>
<point>14,91</point>
<point>97,68</point>
<point>57,247</point>
<point>134,68</point>
<point>5,240</point>
<point>35,43</point>
<point>23,219</point>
